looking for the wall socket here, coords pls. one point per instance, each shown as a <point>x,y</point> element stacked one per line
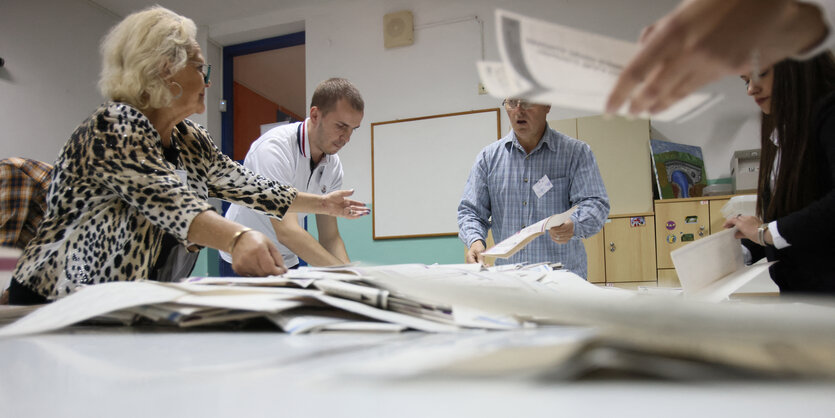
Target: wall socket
<point>481,89</point>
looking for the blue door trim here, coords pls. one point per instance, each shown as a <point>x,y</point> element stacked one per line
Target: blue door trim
<point>229,53</point>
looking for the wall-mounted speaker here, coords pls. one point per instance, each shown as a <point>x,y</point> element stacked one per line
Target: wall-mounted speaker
<point>398,29</point>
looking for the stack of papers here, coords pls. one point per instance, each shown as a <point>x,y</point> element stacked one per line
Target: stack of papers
<point>385,298</point>
<point>779,339</point>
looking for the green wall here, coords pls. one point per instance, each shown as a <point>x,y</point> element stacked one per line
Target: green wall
<point>361,247</point>
<point>357,234</point>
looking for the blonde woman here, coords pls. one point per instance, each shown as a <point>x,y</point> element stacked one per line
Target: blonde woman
<point>131,184</point>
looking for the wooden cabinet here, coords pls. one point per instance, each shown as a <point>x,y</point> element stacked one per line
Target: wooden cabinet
<point>615,141</point>
<point>630,249</point>
<point>716,218</point>
<point>679,221</point>
<point>596,256</point>
<point>623,253</point>
<point>621,149</point>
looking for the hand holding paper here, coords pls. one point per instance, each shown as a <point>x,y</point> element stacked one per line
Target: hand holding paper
<point>519,240</point>
<point>561,234</point>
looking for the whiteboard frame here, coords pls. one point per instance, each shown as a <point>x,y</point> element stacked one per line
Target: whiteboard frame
<point>476,140</point>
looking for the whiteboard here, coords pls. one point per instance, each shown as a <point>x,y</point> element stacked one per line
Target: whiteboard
<point>419,167</point>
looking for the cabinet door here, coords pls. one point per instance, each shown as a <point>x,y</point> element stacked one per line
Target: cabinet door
<point>621,148</point>
<point>668,278</point>
<point>630,250</point>
<point>677,224</point>
<point>565,126</point>
<point>596,258</point>
<point>716,218</point>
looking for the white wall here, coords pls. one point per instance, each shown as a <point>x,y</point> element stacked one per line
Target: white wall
<point>48,85</point>
<point>437,74</point>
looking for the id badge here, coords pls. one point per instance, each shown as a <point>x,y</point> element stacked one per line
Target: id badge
<point>542,186</point>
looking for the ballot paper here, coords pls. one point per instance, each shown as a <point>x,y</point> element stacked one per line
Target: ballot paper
<point>618,328</point>
<point>543,62</point>
<point>519,240</point>
<point>89,302</point>
<point>712,268</point>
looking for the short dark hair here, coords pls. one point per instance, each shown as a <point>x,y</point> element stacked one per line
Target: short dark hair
<point>329,92</point>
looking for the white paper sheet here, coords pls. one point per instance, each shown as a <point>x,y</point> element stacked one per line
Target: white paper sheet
<point>549,63</point>
<point>89,302</point>
<point>712,268</point>
<point>516,242</point>
<point>386,316</point>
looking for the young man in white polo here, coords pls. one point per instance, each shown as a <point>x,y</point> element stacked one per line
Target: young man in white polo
<point>303,154</point>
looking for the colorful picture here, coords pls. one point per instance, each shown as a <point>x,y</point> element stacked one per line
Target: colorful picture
<point>679,169</point>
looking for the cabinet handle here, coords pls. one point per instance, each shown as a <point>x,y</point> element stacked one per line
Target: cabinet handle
<point>612,246</point>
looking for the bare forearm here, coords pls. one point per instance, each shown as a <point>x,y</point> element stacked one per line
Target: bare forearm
<point>336,247</point>
<point>301,243</point>
<point>307,203</point>
<point>253,254</point>
<point>212,230</point>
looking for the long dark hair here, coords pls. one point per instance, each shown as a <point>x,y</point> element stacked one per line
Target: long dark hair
<point>798,86</point>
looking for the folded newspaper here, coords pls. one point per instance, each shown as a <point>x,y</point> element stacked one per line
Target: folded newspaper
<point>549,63</point>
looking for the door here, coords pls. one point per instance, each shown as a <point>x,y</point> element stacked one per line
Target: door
<point>630,249</point>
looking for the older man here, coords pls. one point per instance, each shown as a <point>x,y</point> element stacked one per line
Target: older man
<point>528,175</point>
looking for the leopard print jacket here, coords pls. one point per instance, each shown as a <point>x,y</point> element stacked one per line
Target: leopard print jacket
<point>113,195</point>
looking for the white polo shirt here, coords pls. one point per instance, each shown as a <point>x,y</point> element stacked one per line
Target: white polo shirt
<point>283,154</point>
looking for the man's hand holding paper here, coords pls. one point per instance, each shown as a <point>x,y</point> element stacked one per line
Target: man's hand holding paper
<point>561,234</point>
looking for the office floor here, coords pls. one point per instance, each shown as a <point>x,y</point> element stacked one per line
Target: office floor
<point>148,372</point>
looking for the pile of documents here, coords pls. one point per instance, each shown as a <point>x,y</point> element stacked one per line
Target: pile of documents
<point>783,339</point>
<point>384,298</point>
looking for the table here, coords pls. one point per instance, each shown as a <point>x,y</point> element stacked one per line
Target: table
<point>107,371</point>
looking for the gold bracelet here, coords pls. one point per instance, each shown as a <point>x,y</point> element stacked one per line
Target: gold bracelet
<point>236,237</point>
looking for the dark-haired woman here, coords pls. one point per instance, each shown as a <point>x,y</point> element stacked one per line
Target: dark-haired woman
<point>796,198</point>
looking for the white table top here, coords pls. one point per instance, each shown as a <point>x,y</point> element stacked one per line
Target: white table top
<point>136,372</point>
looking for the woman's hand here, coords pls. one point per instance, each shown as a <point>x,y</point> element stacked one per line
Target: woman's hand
<point>255,255</point>
<point>747,227</point>
<point>337,204</point>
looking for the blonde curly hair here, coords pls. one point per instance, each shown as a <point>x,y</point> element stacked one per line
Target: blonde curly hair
<point>141,51</point>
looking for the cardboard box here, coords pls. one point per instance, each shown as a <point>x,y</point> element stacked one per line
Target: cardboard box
<point>745,170</point>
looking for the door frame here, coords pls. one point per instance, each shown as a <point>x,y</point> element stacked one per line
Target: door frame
<point>229,54</point>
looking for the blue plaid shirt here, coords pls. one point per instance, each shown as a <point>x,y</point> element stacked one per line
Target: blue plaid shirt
<point>499,195</point>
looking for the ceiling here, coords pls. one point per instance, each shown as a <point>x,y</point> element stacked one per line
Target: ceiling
<point>207,12</point>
